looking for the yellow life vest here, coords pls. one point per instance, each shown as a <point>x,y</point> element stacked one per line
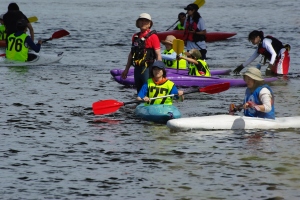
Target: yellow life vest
<point>158,91</point>
<point>193,70</point>
<point>173,63</point>
<point>2,32</point>
<point>16,48</point>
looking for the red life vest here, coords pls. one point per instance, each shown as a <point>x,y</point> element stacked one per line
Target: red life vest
<point>190,36</point>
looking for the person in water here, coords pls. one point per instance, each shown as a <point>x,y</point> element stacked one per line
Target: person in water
<point>158,85</point>
<point>272,49</point>
<point>12,16</point>
<point>197,66</point>
<point>259,98</point>
<point>18,44</point>
<point>195,31</point>
<point>181,19</point>
<point>169,56</point>
<point>144,51</point>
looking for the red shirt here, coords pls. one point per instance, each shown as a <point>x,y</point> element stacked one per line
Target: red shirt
<point>151,42</point>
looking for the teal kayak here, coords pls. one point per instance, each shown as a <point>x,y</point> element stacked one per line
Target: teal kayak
<point>158,113</point>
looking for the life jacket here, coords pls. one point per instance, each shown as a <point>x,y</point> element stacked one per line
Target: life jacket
<point>2,32</point>
<point>190,36</point>
<point>277,45</point>
<point>254,97</point>
<point>173,63</point>
<point>142,56</point>
<point>179,27</point>
<point>155,90</point>
<point>194,70</point>
<point>16,48</point>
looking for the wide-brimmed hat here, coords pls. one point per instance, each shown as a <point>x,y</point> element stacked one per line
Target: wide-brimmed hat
<point>195,53</point>
<point>144,16</point>
<point>159,64</point>
<point>169,39</point>
<point>253,73</point>
<point>192,6</point>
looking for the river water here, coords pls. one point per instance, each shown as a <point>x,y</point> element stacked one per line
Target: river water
<point>53,147</point>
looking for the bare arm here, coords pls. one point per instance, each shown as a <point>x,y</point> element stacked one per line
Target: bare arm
<point>158,55</point>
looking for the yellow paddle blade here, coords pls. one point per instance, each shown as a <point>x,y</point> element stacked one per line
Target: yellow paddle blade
<point>32,19</point>
<point>199,3</point>
<point>178,46</point>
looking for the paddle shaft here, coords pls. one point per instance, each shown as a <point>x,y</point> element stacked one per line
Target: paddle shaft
<point>57,34</point>
<point>172,25</point>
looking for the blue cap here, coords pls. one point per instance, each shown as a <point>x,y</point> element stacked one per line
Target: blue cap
<point>159,64</point>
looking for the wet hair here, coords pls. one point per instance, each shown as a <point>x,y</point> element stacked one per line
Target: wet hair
<point>254,34</point>
<point>164,72</point>
<point>13,6</point>
<point>22,24</point>
<point>181,15</point>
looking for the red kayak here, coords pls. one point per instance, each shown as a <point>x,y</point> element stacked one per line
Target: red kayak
<point>210,37</point>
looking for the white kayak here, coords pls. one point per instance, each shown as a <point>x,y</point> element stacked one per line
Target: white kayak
<point>41,59</point>
<point>230,122</point>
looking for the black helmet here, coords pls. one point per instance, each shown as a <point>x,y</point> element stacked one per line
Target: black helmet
<point>22,24</point>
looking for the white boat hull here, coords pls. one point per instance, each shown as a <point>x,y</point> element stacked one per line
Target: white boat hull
<point>229,122</point>
<point>41,59</point>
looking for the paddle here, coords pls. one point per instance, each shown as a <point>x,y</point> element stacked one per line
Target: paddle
<point>57,34</point>
<point>32,19</point>
<point>178,46</point>
<point>110,105</point>
<point>199,3</point>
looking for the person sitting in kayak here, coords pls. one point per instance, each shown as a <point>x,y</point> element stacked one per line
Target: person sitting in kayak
<point>272,49</point>
<point>197,66</point>
<point>169,55</point>
<point>12,16</point>
<point>181,19</point>
<point>2,28</point>
<point>158,85</point>
<point>145,49</point>
<point>18,44</point>
<point>259,98</point>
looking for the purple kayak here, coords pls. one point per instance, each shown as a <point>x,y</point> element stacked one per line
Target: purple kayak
<point>118,72</point>
<point>194,81</point>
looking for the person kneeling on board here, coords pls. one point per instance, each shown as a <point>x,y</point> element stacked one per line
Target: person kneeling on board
<point>259,98</point>
<point>158,85</point>
<point>197,66</point>
<point>18,44</point>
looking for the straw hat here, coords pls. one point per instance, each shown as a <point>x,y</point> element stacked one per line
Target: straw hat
<point>144,16</point>
<point>169,40</point>
<point>195,53</point>
<point>253,73</point>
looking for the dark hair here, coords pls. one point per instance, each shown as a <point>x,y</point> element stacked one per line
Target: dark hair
<point>181,14</point>
<point>164,72</point>
<point>196,16</point>
<point>254,34</point>
<point>22,24</point>
<point>13,6</point>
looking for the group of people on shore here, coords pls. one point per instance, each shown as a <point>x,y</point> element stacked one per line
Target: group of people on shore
<point>149,63</point>
<point>13,30</point>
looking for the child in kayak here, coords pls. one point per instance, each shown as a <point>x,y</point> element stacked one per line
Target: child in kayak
<point>2,28</point>
<point>181,19</point>
<point>259,98</point>
<point>18,44</point>
<point>158,85</point>
<point>272,49</point>
<point>197,66</point>
<point>169,55</point>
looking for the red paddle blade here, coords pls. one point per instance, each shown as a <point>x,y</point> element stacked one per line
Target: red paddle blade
<point>59,34</point>
<point>106,106</point>
<point>216,88</point>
